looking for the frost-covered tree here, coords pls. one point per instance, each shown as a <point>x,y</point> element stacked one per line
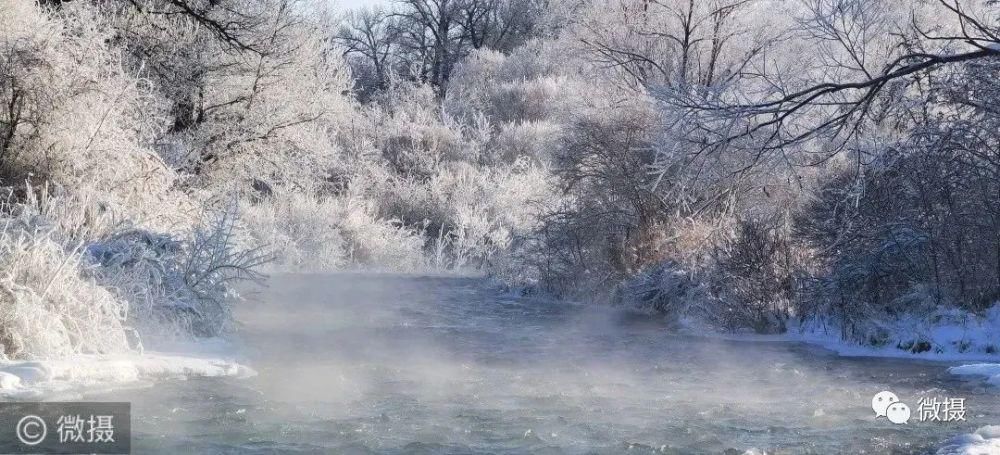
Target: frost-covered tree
<point>675,43</point>
<point>369,36</point>
<point>255,113</point>
<point>424,39</point>
<point>877,124</point>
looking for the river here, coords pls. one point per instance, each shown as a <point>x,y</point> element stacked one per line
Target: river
<point>367,363</point>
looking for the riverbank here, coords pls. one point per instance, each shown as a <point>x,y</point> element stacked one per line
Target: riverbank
<point>433,365</point>
<point>387,363</point>
<point>969,342</point>
<point>72,377</point>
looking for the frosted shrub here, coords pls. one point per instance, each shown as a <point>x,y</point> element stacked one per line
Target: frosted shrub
<point>415,149</point>
<point>114,285</point>
<point>140,267</point>
<point>48,308</point>
<point>412,134</point>
<point>755,272</point>
<point>315,234</point>
<point>469,214</point>
<point>301,232</point>
<point>178,283</point>
<point>608,225</point>
<point>909,230</point>
<point>416,165</point>
<point>211,260</point>
<point>471,81</point>
<point>666,289</point>
<point>60,297</point>
<point>379,243</point>
<point>533,100</point>
<point>514,89</point>
<point>527,140</point>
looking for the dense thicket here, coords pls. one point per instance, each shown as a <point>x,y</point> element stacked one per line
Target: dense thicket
<point>744,163</point>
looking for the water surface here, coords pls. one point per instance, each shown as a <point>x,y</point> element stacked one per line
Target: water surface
<point>385,364</point>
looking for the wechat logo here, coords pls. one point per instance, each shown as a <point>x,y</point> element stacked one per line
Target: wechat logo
<point>886,404</point>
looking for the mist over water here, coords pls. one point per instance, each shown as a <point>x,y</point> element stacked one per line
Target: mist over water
<point>433,365</point>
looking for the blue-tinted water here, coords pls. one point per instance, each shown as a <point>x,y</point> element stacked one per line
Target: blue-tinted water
<point>387,364</point>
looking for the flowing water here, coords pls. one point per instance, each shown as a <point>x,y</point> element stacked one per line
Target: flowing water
<point>362,364</point>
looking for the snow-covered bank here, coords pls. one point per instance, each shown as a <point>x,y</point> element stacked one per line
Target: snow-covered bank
<point>969,341</point>
<point>990,370</point>
<point>69,377</point>
<point>946,335</point>
<point>985,441</point>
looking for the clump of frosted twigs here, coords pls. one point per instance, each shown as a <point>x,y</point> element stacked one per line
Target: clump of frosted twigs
<point>178,283</point>
<point>73,281</point>
<point>47,306</point>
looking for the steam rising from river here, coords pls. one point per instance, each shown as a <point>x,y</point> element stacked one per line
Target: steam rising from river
<point>443,365</point>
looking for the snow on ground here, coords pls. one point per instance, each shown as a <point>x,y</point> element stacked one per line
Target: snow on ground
<point>990,370</point>
<point>68,378</point>
<point>946,334</point>
<point>985,441</point>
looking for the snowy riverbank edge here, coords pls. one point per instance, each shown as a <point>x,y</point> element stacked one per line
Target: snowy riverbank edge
<point>971,343</point>
<point>947,335</point>
<point>70,378</point>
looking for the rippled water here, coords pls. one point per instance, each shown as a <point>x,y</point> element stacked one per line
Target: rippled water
<point>427,365</point>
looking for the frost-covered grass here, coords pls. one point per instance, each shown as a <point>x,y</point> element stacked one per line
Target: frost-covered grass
<point>48,307</point>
